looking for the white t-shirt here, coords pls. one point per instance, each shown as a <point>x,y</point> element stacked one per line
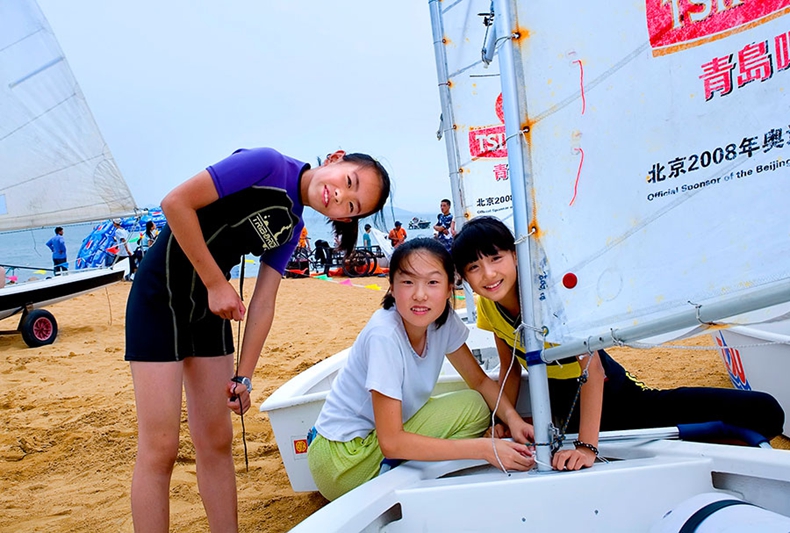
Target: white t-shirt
<point>122,241</point>
<point>383,360</point>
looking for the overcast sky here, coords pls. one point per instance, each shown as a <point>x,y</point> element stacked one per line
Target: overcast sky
<point>177,85</point>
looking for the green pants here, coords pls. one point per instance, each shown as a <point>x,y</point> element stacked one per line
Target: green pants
<point>338,467</point>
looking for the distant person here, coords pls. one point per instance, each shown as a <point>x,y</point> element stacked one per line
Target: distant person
<point>182,299</point>
<point>323,255</point>
<point>445,225</point>
<point>380,404</point>
<point>146,241</point>
<point>149,237</point>
<point>122,250</point>
<point>304,240</point>
<point>397,234</point>
<point>366,242</point>
<point>58,247</point>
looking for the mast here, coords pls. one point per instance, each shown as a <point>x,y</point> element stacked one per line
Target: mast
<point>446,127</point>
<point>514,107</point>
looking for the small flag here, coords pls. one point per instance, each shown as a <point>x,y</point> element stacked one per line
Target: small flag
<point>373,287</point>
<point>346,282</point>
<point>460,297</point>
<point>40,272</point>
<point>322,276</point>
<point>249,261</point>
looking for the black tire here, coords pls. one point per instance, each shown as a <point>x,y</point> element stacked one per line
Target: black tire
<point>39,328</point>
<point>359,263</point>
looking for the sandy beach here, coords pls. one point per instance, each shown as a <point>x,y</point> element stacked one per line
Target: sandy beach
<point>68,438</point>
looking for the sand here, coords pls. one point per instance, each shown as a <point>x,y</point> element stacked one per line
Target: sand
<point>68,438</point>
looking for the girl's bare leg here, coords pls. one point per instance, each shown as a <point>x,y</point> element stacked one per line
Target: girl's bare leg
<point>157,393</point>
<point>205,379</point>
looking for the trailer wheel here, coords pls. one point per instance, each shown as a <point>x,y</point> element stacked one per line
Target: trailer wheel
<point>359,263</point>
<point>39,328</point>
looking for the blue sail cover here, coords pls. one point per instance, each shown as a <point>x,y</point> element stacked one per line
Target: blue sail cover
<point>93,252</point>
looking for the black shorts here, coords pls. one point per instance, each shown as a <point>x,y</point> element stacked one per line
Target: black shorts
<point>163,322</point>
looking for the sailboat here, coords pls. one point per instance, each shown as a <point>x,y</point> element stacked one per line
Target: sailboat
<point>637,152</point>
<point>57,168</point>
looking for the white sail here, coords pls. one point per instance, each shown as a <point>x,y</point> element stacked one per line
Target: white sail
<point>657,140</point>
<point>56,167</point>
<point>472,119</point>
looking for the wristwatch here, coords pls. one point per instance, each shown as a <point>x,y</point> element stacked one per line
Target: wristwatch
<point>244,381</point>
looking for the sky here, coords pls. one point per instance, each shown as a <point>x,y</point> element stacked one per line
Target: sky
<point>177,85</point>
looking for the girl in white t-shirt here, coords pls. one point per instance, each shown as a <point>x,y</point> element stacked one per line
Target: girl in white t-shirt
<point>380,404</point>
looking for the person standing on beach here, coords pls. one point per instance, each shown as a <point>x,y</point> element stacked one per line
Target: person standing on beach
<point>58,247</point>
<point>366,242</point>
<point>397,235</point>
<point>250,202</point>
<point>445,225</point>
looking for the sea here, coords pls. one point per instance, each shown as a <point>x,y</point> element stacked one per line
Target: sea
<point>27,251</point>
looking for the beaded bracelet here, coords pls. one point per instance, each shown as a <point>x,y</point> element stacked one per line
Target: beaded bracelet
<point>590,447</point>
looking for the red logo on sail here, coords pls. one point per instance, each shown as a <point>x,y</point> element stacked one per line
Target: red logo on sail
<point>489,141</point>
<point>677,24</point>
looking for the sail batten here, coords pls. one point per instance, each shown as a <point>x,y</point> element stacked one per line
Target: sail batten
<point>57,168</point>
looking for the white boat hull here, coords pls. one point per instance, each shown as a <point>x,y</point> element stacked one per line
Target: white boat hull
<point>42,293</point>
<point>633,493</point>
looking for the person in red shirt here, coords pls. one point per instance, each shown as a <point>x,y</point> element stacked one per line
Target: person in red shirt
<point>397,235</point>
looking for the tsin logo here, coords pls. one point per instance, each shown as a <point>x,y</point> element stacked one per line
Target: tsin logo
<point>489,141</point>
<point>732,360</point>
<point>675,25</point>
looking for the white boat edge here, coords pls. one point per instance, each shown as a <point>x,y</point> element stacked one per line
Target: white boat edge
<point>468,496</point>
<point>112,275</point>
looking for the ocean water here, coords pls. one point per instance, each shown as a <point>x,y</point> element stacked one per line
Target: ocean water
<point>28,249</point>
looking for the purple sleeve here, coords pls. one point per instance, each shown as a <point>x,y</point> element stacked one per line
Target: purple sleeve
<point>245,168</point>
<point>277,258</point>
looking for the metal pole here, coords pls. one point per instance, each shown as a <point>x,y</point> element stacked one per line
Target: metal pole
<point>448,132</point>
<point>515,112</point>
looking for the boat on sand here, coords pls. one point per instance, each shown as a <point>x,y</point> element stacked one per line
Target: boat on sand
<point>633,151</point>
<point>57,169</point>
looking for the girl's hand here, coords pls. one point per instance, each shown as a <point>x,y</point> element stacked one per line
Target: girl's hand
<point>574,459</point>
<point>522,432</point>
<point>237,391</point>
<point>224,301</point>
<point>500,431</point>
<point>513,456</point>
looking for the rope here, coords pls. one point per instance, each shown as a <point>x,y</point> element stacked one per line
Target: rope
<point>238,359</point>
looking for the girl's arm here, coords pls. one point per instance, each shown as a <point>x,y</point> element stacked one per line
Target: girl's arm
<point>463,361</point>
<point>590,407</point>
<point>259,322</point>
<point>396,443</point>
<point>180,207</point>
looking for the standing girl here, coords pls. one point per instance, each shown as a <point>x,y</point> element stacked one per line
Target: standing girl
<point>149,237</point>
<point>250,202</point>
<point>380,404</point>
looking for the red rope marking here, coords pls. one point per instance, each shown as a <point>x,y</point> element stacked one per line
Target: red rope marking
<point>578,173</point>
<point>581,84</point>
